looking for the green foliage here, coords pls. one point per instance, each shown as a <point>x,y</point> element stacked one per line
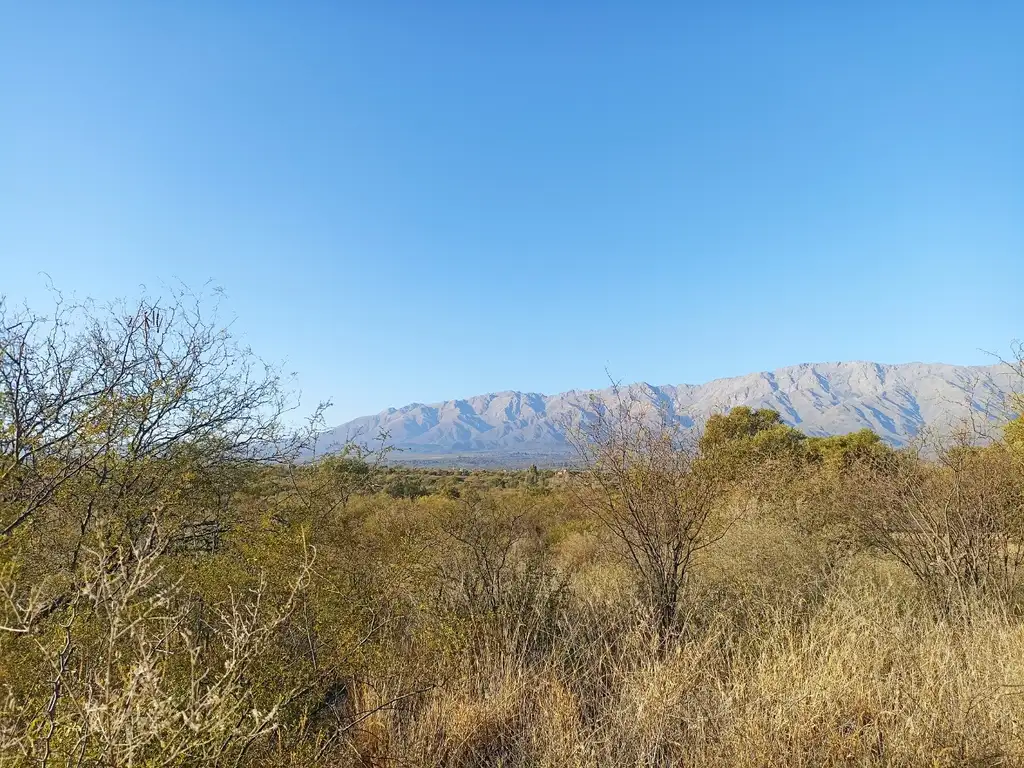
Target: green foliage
<point>740,422</point>
<point>533,476</point>
<point>841,452</point>
<point>778,442</point>
<point>744,439</point>
<point>744,442</point>
<point>405,486</point>
<point>1014,436</point>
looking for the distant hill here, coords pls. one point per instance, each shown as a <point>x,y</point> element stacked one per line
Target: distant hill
<point>517,428</point>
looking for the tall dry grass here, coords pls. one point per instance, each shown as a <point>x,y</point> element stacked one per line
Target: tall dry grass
<point>789,659</point>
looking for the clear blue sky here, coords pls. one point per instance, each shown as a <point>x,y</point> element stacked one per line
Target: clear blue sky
<point>424,200</point>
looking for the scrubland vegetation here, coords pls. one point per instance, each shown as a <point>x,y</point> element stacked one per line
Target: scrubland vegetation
<point>174,590</point>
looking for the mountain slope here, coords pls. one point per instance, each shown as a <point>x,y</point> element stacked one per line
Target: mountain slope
<point>896,401</point>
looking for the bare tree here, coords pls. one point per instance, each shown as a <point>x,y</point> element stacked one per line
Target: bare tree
<point>645,479</point>
<point>104,406</point>
<point>957,524</point>
<point>491,537</point>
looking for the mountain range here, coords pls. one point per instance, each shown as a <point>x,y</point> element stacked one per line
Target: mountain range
<point>512,428</point>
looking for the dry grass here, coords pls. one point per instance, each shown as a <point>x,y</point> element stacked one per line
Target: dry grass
<point>786,663</point>
<point>793,654</point>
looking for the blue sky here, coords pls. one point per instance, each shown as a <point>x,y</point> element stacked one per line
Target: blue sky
<point>417,201</point>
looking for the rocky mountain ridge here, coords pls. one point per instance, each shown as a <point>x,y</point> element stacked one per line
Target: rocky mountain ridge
<point>512,428</point>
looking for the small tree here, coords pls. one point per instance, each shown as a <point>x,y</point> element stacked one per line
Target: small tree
<point>956,524</point>
<point>116,408</point>
<point>656,492</point>
<point>753,446</point>
<point>738,423</point>
<point>325,485</point>
<point>533,476</point>
<point>115,422</point>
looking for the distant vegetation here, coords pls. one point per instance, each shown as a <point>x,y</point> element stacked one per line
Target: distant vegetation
<point>176,591</point>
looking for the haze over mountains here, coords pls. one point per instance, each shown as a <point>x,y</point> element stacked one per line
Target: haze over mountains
<point>516,428</point>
